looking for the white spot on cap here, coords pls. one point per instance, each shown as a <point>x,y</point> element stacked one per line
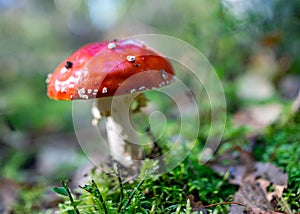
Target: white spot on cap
<point>63,89</point>
<point>48,78</point>
<point>77,73</point>
<point>164,74</point>
<point>61,86</point>
<point>63,70</point>
<point>132,90</point>
<point>57,88</point>
<point>85,72</point>
<point>161,84</point>
<point>130,58</point>
<point>95,92</point>
<point>111,45</point>
<point>89,91</point>
<point>57,85</point>
<point>142,88</point>
<point>104,90</point>
<point>81,93</point>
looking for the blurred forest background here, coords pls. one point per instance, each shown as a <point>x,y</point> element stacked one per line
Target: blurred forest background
<point>254,45</point>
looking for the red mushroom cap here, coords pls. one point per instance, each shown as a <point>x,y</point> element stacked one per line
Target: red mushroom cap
<point>99,69</point>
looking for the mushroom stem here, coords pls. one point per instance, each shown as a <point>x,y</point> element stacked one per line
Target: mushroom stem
<point>121,136</point>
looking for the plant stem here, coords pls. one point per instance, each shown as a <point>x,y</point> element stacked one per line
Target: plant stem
<point>133,192</point>
<point>98,195</point>
<point>64,183</point>
<point>121,189</point>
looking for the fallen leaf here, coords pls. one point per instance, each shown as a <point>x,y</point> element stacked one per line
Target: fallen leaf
<point>236,161</point>
<point>261,184</point>
<point>255,196</point>
<point>252,195</point>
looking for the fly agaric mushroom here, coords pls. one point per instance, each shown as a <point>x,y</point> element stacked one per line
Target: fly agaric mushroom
<point>106,71</point>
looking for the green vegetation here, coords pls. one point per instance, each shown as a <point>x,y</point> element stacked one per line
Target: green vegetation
<point>163,194</point>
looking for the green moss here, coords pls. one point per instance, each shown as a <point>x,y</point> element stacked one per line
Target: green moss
<point>165,194</point>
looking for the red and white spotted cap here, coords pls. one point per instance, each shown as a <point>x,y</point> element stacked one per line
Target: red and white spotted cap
<point>98,70</point>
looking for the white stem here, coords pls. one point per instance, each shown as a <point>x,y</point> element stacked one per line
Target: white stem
<point>122,137</point>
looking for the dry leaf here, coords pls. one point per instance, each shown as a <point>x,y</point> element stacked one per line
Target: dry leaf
<point>242,167</point>
<point>255,196</point>
<point>237,161</point>
<point>252,195</point>
<point>261,184</point>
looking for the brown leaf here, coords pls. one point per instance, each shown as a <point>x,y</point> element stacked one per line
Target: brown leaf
<point>242,167</point>
<point>257,183</point>
<point>270,172</point>
<point>238,162</point>
<point>256,197</point>
<point>261,184</point>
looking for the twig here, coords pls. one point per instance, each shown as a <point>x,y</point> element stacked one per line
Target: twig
<point>222,203</point>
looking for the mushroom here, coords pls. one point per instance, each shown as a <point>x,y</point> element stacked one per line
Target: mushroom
<point>115,73</point>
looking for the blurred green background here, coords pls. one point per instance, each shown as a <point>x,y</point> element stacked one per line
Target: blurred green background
<point>253,45</point>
